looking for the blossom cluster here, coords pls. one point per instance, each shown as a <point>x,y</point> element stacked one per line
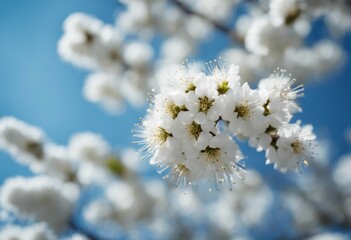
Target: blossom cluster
<point>125,58</point>
<point>120,67</point>
<point>63,174</point>
<point>192,126</point>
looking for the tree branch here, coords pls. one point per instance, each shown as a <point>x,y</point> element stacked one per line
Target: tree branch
<point>220,27</point>
<point>74,226</point>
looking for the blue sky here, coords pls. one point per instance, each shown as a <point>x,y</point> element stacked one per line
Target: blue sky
<point>37,87</point>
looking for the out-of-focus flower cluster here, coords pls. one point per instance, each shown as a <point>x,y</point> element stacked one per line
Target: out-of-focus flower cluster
<point>191,125</point>
<point>266,34</point>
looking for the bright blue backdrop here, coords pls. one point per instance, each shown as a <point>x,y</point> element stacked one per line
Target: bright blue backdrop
<point>36,86</point>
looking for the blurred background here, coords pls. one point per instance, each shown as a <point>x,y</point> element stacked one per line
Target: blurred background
<point>38,87</point>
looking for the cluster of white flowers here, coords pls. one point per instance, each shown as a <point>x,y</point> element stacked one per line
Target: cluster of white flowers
<point>64,172</point>
<point>191,126</point>
<point>265,35</point>
<point>121,68</point>
<point>33,232</point>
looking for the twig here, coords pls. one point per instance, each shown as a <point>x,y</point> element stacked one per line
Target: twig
<point>74,226</point>
<point>220,27</point>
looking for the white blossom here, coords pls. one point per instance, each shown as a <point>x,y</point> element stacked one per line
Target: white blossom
<point>263,38</point>
<point>89,147</point>
<point>32,232</point>
<point>105,90</point>
<point>39,198</point>
<point>294,146</point>
<point>24,142</point>
<point>284,11</point>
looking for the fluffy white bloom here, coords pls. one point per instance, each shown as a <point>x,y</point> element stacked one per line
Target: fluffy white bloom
<point>342,174</point>
<point>248,63</point>
<point>79,42</point>
<point>263,38</point>
<point>330,56</point>
<point>233,212</point>
<point>77,237</point>
<point>279,95</point>
<point>292,146</point>
<point>177,48</point>
<point>38,198</point>
<point>58,163</point>
<point>329,236</point>
<point>23,141</point>
<point>242,108</point>
<point>89,147</point>
<point>105,90</point>
<point>125,203</point>
<point>297,204</point>
<point>216,10</point>
<point>283,11</point>
<point>89,43</point>
<point>138,55</point>
<point>33,232</point>
<point>99,211</point>
<point>109,56</point>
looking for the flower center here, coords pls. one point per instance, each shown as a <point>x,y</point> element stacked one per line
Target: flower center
<point>174,110</point>
<point>35,148</point>
<point>297,147</point>
<point>205,104</point>
<point>190,87</point>
<point>89,37</point>
<point>212,154</point>
<point>181,168</point>
<point>194,129</point>
<point>243,111</point>
<point>223,87</point>
<point>160,136</point>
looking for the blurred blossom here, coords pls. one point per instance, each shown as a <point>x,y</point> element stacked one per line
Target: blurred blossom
<point>33,232</point>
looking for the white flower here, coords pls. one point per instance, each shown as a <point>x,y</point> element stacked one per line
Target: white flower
<point>263,38</point>
<point>216,158</point>
<point>109,56</point>
<point>79,43</point>
<point>283,11</point>
<point>89,147</point>
<point>58,163</point>
<point>33,232</point>
<point>125,203</point>
<point>99,211</point>
<point>292,146</point>
<point>24,142</point>
<point>329,236</point>
<point>243,110</point>
<point>138,55</point>
<point>105,90</point>
<point>78,236</point>
<point>342,173</point>
<point>279,96</point>
<point>38,198</point>
<point>88,43</point>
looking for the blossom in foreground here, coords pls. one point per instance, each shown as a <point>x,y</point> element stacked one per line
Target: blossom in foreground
<point>190,128</point>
